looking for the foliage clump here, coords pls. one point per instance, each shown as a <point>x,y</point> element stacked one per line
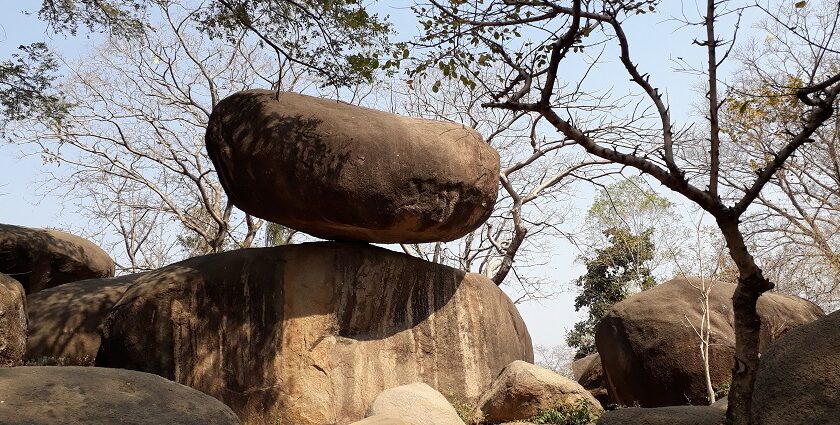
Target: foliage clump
<point>577,414</point>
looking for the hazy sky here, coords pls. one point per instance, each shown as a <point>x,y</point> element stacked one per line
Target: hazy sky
<point>655,39</point>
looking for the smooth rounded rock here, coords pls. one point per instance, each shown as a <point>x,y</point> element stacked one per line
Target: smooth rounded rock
<point>12,322</point>
<point>415,404</point>
<point>650,353</point>
<point>43,258</point>
<point>674,415</point>
<point>65,322</point>
<point>309,334</point>
<point>798,377</point>
<point>338,171</point>
<point>589,374</point>
<point>72,395</point>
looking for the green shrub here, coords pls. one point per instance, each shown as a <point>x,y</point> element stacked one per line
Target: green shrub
<point>578,414</point>
<point>722,391</point>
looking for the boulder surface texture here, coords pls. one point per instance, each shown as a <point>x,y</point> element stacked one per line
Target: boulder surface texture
<point>70,395</point>
<point>415,404</point>
<point>673,415</point>
<point>311,333</point>
<point>650,353</point>
<point>65,322</point>
<point>40,258</point>
<point>381,420</point>
<point>338,171</point>
<point>522,390</point>
<point>12,321</point>
<point>798,378</point>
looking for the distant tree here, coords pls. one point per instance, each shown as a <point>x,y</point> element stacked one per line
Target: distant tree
<point>612,273</point>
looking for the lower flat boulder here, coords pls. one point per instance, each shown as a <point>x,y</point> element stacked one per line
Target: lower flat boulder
<point>415,404</point>
<point>523,390</point>
<point>65,322</point>
<point>312,333</point>
<point>798,378</point>
<point>12,321</point>
<point>44,395</point>
<point>650,353</point>
<point>42,258</point>
<point>673,415</point>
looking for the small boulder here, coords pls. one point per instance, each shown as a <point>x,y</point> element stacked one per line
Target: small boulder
<point>12,321</point>
<point>381,420</point>
<point>650,353</point>
<point>41,258</point>
<point>65,322</point>
<point>522,390</point>
<point>798,377</point>
<point>309,334</point>
<point>43,395</point>
<point>673,415</point>
<point>590,375</point>
<point>415,404</point>
<point>338,171</point>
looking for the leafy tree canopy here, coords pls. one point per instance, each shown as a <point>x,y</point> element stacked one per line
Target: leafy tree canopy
<point>611,274</point>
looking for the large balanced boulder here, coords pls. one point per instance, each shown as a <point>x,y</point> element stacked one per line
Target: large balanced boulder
<point>65,322</point>
<point>311,333</point>
<point>415,404</point>
<point>12,321</point>
<point>798,378</point>
<point>590,375</point>
<point>41,258</point>
<point>522,390</point>
<point>44,395</point>
<point>673,415</point>
<point>650,352</point>
<point>338,171</point>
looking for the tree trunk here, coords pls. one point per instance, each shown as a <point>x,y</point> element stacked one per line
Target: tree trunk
<point>751,284</point>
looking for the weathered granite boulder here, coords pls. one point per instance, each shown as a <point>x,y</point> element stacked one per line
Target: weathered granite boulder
<point>415,404</point>
<point>522,390</point>
<point>338,171</point>
<point>12,321</point>
<point>798,378</point>
<point>673,415</point>
<point>650,353</point>
<point>44,395</point>
<point>65,322</point>
<point>589,374</point>
<point>40,258</point>
<point>311,333</point>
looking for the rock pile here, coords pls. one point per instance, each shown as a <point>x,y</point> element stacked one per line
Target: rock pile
<point>650,353</point>
<point>312,333</point>
<point>40,258</point>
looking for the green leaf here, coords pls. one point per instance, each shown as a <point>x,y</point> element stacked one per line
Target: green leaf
<point>800,4</point>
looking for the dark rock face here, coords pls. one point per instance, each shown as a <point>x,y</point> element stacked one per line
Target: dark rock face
<point>650,354</point>
<point>41,259</point>
<point>12,321</point>
<point>674,415</point>
<point>43,395</point>
<point>338,171</point>
<point>589,374</point>
<point>798,378</point>
<point>65,322</point>
<point>311,333</point>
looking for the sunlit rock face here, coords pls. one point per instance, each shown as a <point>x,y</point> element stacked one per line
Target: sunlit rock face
<point>338,171</point>
<point>40,395</point>
<point>650,352</point>
<point>310,334</point>
<point>41,258</point>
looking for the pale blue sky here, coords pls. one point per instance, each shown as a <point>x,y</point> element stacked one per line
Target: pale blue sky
<point>655,41</point>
